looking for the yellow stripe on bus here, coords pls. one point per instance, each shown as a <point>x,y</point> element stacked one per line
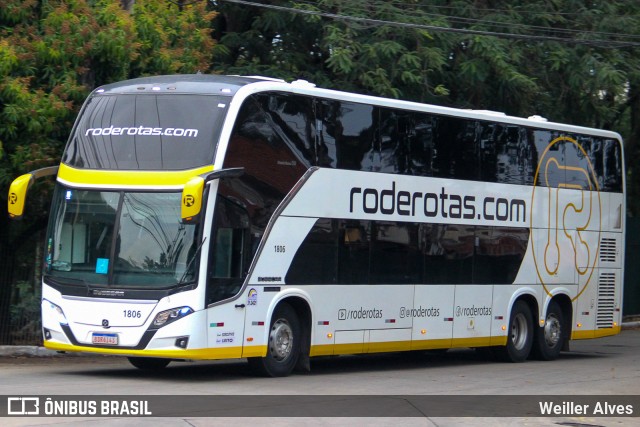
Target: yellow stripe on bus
<point>391,346</point>
<point>196,354</point>
<point>598,333</point>
<point>317,350</point>
<point>254,351</point>
<point>111,178</point>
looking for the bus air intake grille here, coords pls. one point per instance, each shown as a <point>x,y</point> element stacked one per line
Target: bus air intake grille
<point>606,300</point>
<point>608,252</point>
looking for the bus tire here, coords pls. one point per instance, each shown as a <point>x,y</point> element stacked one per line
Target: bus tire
<point>550,338</point>
<point>520,334</point>
<point>149,363</point>
<point>283,349</point>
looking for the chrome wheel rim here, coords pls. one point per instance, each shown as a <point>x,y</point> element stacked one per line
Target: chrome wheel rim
<point>281,340</point>
<point>519,331</point>
<point>552,330</point>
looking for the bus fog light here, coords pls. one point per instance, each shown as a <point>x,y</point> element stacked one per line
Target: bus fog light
<point>47,333</point>
<point>165,317</point>
<point>182,342</point>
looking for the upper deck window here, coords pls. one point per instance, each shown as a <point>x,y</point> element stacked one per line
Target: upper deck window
<point>146,132</point>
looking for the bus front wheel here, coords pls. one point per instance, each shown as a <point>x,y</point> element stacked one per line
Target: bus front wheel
<point>550,337</point>
<point>520,334</point>
<point>149,363</point>
<point>283,349</point>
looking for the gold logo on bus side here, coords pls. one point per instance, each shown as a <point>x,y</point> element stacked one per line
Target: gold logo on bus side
<point>568,237</point>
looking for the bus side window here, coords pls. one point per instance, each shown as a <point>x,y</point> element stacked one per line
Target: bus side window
<point>228,255</point>
<point>354,252</point>
<point>226,261</point>
<point>612,165</point>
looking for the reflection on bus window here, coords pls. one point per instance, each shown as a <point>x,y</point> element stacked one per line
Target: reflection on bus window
<point>229,253</point>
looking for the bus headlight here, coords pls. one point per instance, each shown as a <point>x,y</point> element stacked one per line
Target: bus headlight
<point>55,311</point>
<point>165,317</point>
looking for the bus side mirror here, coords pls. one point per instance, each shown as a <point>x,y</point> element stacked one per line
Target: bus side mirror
<point>20,186</point>
<point>192,193</point>
<point>18,195</point>
<point>192,199</point>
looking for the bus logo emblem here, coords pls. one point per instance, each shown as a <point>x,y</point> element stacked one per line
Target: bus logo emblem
<point>252,298</point>
<point>105,323</point>
<point>567,200</point>
<point>189,200</point>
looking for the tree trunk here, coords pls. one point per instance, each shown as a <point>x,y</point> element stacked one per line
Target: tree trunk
<point>128,5</point>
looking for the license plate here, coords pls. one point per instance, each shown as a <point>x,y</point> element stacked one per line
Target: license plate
<point>104,339</point>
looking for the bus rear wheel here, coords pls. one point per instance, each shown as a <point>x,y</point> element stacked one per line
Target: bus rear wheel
<point>520,334</point>
<point>149,363</point>
<point>283,349</point>
<point>550,338</point>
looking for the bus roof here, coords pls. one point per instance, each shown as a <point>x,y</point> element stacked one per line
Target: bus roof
<point>210,84</point>
<point>183,83</point>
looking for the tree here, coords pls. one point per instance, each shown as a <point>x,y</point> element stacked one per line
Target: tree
<point>350,55</point>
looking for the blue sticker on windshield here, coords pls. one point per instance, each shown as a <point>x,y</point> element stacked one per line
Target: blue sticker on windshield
<point>102,266</point>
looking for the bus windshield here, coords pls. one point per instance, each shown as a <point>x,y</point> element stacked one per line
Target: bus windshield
<point>118,238</point>
<point>146,132</point>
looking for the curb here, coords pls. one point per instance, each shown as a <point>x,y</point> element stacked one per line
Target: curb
<point>25,350</point>
<point>630,325</point>
<point>37,351</point>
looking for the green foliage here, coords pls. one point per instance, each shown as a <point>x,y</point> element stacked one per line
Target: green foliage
<point>349,55</point>
<point>24,315</point>
<point>379,58</point>
<point>170,41</point>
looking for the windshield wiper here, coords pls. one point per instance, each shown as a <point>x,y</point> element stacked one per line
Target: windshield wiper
<point>182,282</point>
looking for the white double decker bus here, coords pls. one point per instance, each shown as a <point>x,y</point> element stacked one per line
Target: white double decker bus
<point>212,217</point>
